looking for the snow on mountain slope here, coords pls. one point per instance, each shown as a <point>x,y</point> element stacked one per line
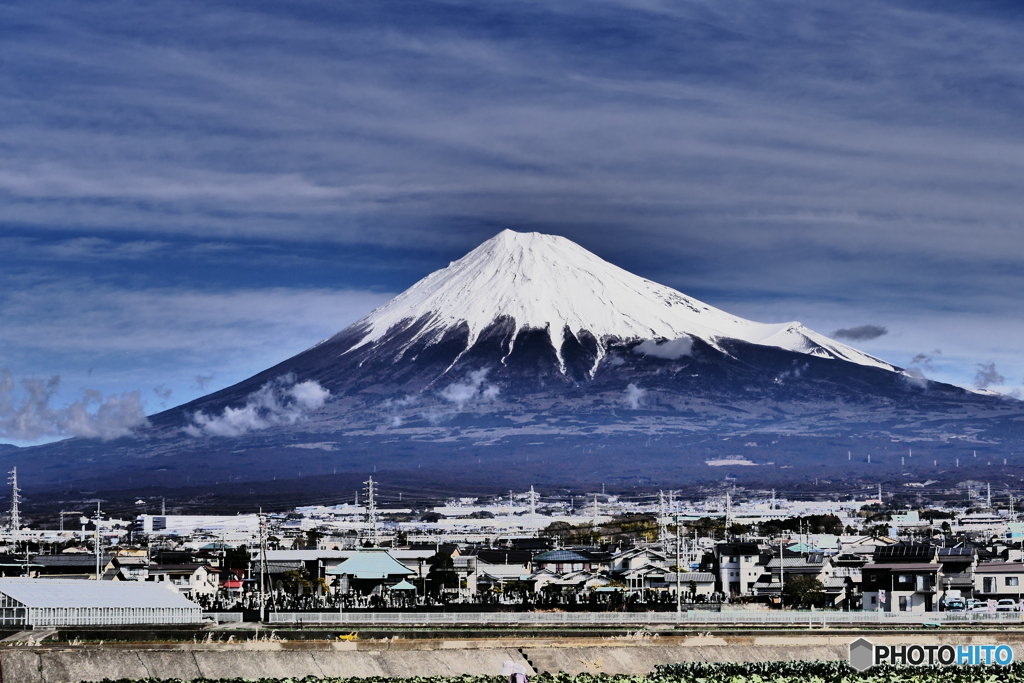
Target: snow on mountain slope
<point>549,282</point>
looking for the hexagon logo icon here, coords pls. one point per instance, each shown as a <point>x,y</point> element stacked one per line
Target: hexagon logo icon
<point>862,654</point>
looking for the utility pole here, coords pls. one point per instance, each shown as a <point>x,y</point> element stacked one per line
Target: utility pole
<point>533,502</point>
<point>782,573</point>
<point>679,568</point>
<point>988,496</point>
<point>662,530</point>
<point>371,510</point>
<point>96,539</point>
<point>593,523</point>
<point>773,499</point>
<point>728,513</point>
<point>879,494</point>
<point>163,507</point>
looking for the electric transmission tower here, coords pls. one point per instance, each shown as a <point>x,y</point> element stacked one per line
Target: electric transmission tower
<point>371,510</point>
<point>263,565</point>
<point>97,540</point>
<point>15,500</point>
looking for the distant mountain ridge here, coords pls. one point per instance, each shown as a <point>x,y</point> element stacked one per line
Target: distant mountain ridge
<point>532,336</point>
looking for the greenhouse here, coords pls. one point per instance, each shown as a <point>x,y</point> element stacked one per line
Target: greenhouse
<point>56,602</point>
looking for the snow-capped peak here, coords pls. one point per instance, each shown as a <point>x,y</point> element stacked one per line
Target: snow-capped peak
<point>549,282</point>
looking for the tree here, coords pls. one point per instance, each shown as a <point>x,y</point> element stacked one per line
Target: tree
<point>313,538</point>
<point>803,591</point>
<point>442,573</point>
<point>738,529</point>
<point>236,558</point>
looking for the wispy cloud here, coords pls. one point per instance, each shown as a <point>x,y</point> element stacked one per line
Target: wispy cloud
<point>673,349</point>
<point>281,401</point>
<point>861,332</point>
<point>633,396</point>
<point>988,376</point>
<point>27,413</point>
<point>475,388</point>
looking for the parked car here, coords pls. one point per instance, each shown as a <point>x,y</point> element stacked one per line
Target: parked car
<point>1007,605</point>
<point>956,605</point>
<point>979,606</point>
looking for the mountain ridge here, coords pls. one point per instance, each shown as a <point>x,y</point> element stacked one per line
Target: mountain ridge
<point>439,370</point>
<point>514,275</point>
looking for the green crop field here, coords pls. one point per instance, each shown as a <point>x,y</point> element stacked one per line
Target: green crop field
<point>701,672</point>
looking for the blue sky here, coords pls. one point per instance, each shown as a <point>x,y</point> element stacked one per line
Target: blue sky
<point>192,191</point>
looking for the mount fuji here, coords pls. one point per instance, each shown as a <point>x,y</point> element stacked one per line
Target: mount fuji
<point>532,347</point>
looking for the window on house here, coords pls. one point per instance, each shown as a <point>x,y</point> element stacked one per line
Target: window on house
<point>734,559</point>
<point>990,584</point>
<point>904,578</point>
<point>874,599</point>
<point>746,558</point>
<point>1011,580</point>
<point>903,603</point>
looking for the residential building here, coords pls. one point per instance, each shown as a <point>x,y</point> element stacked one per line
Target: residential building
<point>740,565</point>
<point>902,586</point>
<point>190,580</point>
<point>998,580</point>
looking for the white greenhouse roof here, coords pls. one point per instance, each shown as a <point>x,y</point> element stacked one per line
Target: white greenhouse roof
<point>88,593</point>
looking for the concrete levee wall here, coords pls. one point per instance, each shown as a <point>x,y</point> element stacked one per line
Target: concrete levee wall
<point>398,659</point>
<point>95,664</point>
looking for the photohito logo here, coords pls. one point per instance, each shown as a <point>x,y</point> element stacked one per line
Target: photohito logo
<point>864,654</point>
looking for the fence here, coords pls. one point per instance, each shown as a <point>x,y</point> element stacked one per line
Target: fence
<point>223,617</point>
<point>737,617</point>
